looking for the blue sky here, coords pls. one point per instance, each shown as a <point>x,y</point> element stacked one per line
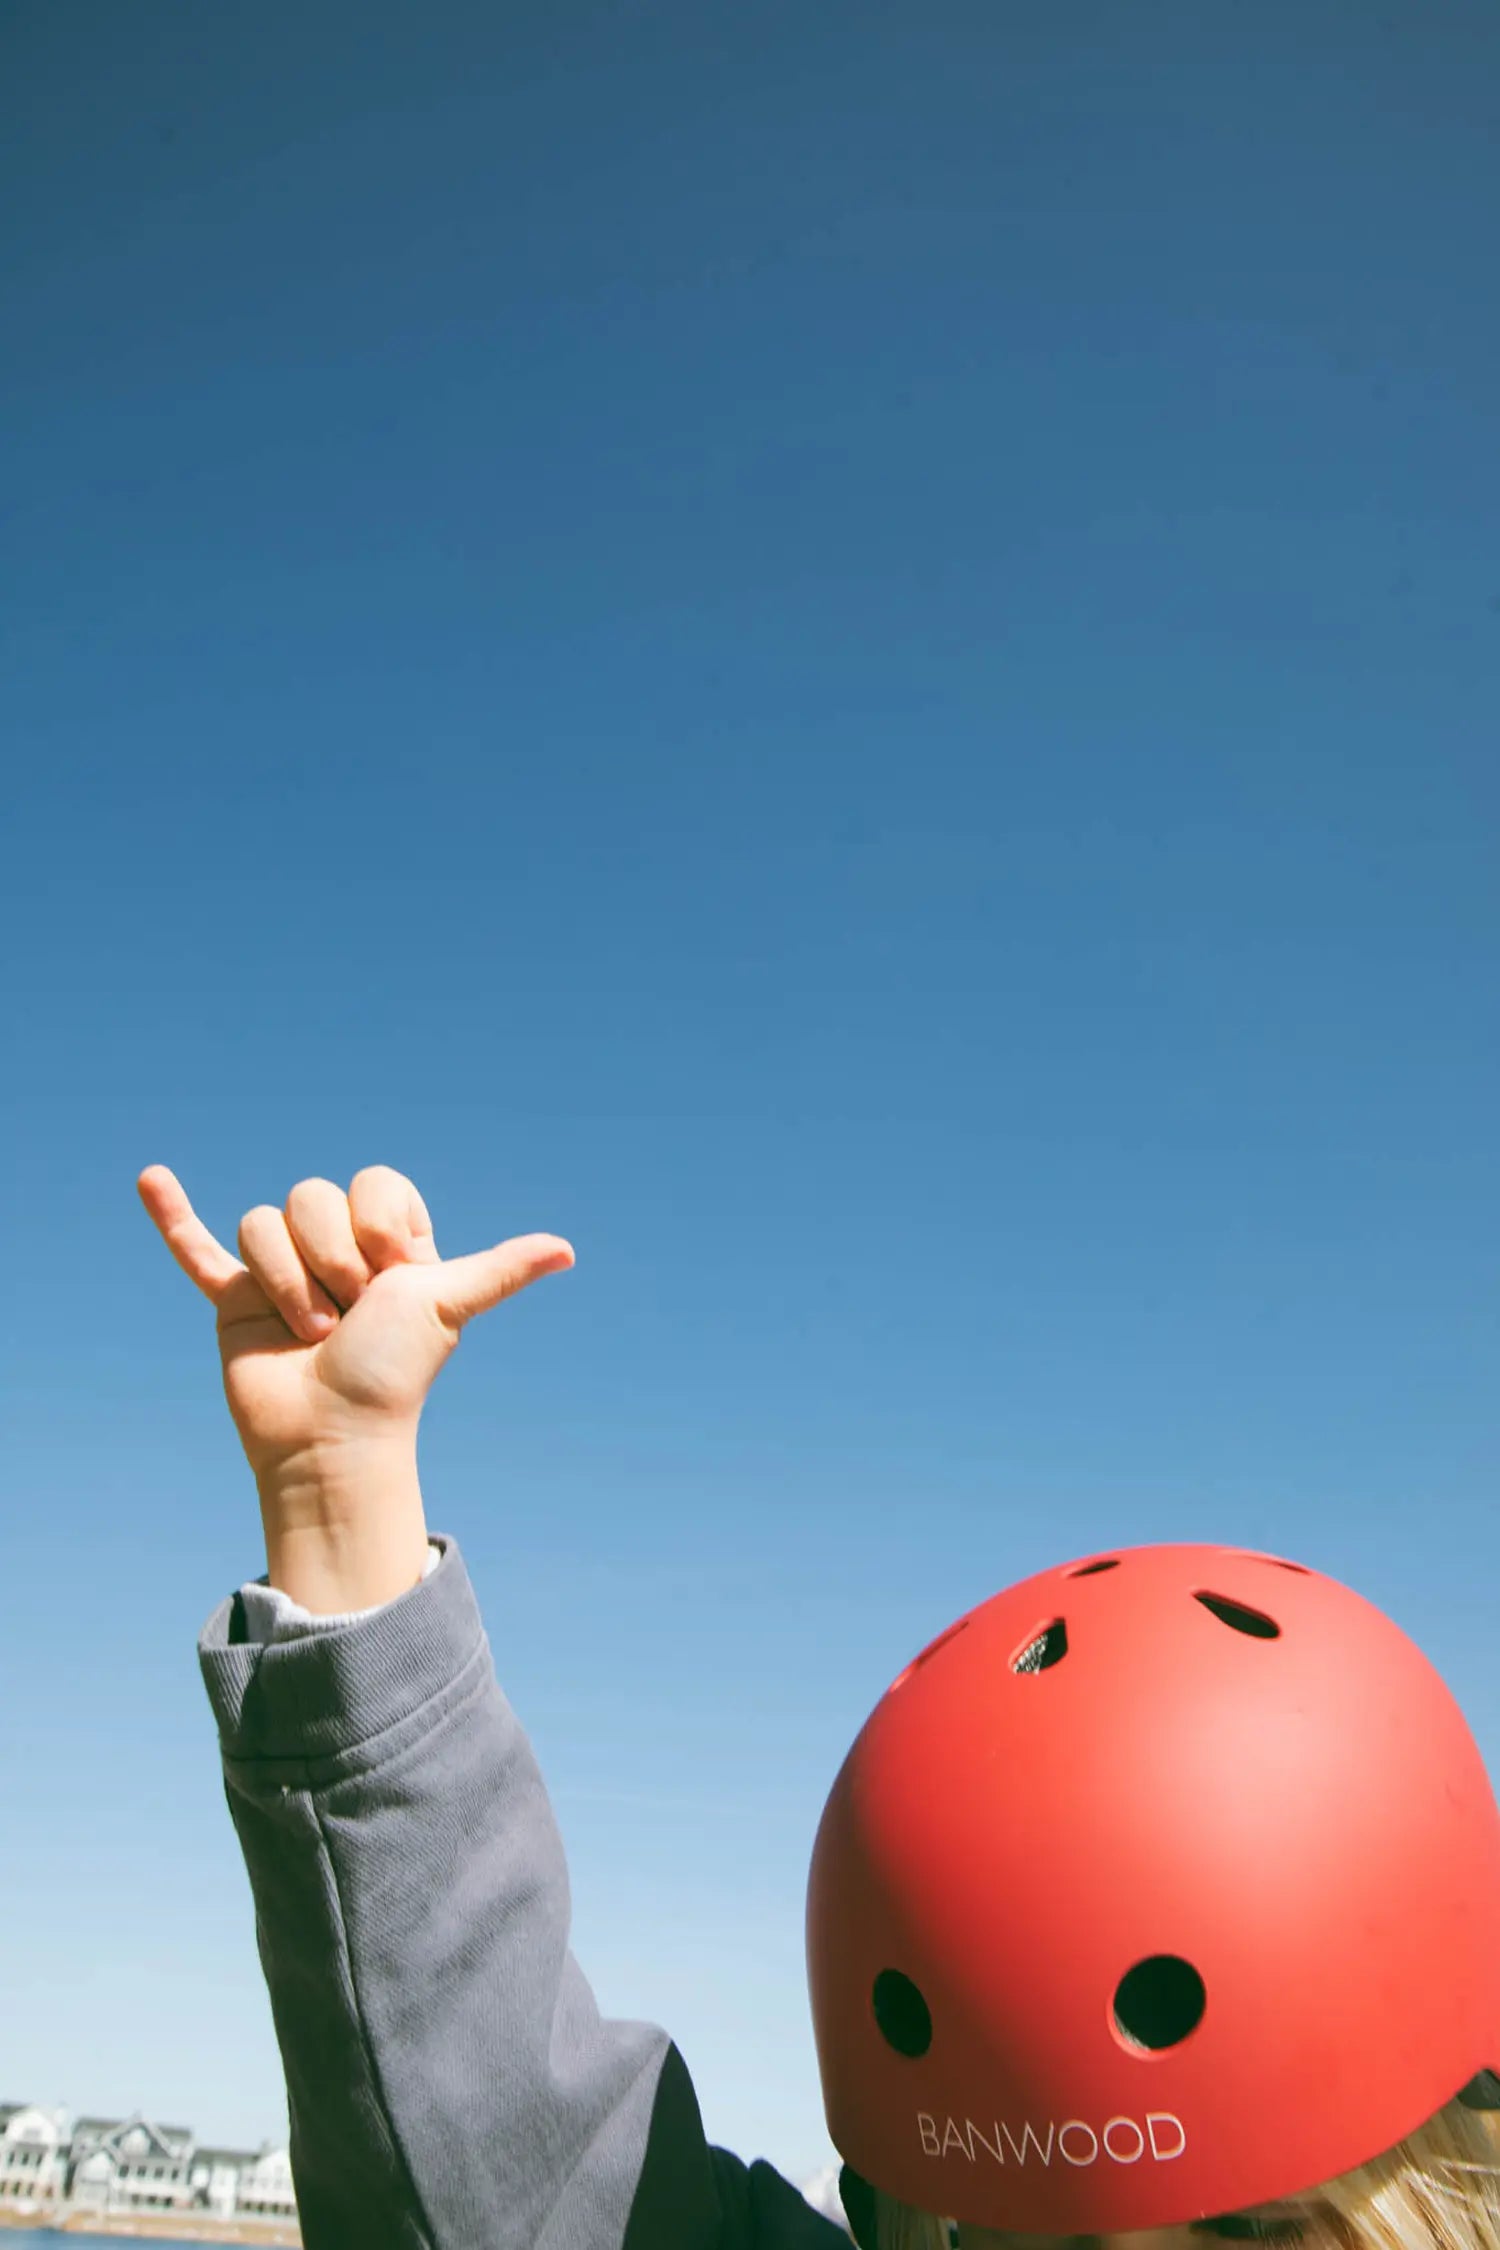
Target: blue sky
<point>852,655</point>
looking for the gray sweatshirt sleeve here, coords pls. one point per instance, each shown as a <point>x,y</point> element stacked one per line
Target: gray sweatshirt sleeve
<point>451,2082</point>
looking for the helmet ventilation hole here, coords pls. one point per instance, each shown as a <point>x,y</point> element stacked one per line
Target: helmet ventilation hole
<point>904,2017</point>
<point>1044,1649</point>
<point>1092,1569</point>
<point>928,1653</point>
<point>1251,1621</point>
<point>1159,2002</point>
<point>1277,1562</point>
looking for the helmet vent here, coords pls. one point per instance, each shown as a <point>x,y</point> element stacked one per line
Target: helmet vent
<point>1159,2002</point>
<point>1044,1649</point>
<point>1251,1621</point>
<point>951,1633</point>
<point>904,2017</point>
<point>1092,1569</point>
<point>1277,1562</point>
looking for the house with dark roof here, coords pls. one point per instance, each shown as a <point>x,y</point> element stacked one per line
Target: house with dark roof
<point>122,2164</point>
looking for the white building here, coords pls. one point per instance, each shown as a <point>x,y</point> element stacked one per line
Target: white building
<point>33,2144</point>
<point>129,2164</point>
<point>116,2164</point>
<point>265,2186</point>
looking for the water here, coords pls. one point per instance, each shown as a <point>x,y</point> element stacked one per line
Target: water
<point>32,2239</point>
<point>29,2239</point>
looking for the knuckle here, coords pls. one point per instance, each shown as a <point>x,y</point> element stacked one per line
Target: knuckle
<point>380,1241</point>
<point>254,1225</point>
<point>374,1175</point>
<point>310,1192</point>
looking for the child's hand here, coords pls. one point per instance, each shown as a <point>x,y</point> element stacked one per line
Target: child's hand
<point>329,1415</point>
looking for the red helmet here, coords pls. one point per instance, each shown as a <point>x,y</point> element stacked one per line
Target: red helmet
<point>1159,1886</point>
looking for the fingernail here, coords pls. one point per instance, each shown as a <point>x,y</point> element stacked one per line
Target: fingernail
<point>317,1323</point>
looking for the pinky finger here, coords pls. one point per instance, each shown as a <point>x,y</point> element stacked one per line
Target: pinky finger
<point>201,1256</point>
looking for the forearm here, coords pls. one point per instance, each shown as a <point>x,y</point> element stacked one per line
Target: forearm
<point>451,2082</point>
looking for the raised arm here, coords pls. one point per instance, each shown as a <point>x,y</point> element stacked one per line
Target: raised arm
<point>450,2079</point>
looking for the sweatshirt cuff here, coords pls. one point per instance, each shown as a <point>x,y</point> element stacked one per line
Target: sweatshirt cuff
<point>324,1693</point>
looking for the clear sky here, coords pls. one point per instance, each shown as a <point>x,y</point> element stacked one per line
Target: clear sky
<point>851,654</point>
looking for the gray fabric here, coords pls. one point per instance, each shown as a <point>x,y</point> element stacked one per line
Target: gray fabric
<point>451,2082</point>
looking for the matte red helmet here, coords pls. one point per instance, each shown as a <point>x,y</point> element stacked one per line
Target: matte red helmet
<point>1159,1886</point>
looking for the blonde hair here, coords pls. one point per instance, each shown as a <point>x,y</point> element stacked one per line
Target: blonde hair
<point>1439,2189</point>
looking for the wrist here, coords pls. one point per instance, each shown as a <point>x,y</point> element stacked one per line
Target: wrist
<point>347,1540</point>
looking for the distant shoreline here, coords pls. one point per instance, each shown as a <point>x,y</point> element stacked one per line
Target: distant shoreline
<point>159,2226</point>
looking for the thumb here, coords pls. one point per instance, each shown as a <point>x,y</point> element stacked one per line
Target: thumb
<point>466,1286</point>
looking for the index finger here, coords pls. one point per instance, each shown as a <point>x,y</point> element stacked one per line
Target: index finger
<point>201,1256</point>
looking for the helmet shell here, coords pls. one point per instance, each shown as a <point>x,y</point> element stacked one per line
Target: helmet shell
<point>1274,1803</point>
